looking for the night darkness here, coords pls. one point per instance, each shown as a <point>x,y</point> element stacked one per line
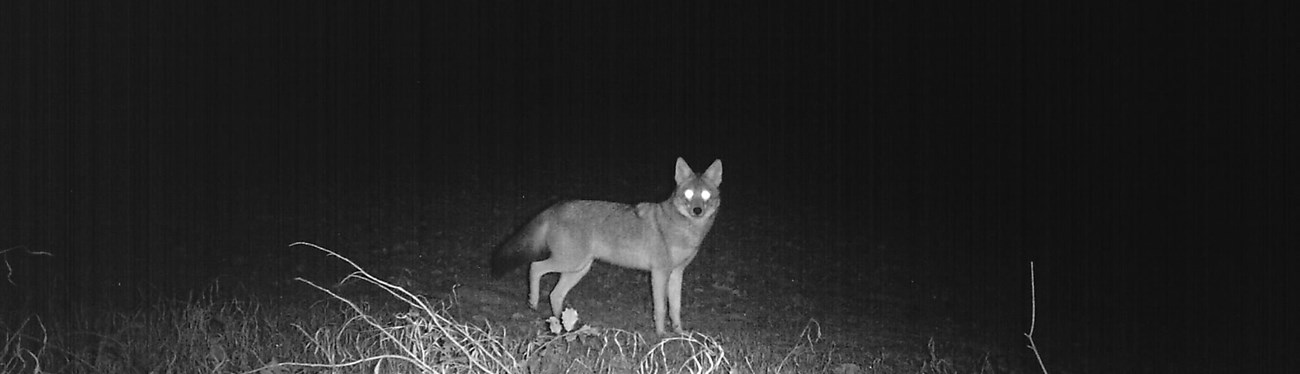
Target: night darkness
<point>1140,155</point>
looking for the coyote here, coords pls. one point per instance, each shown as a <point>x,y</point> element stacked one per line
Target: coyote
<point>659,237</point>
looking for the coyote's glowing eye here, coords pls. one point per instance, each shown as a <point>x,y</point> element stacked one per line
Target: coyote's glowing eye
<point>688,194</point>
<point>705,194</point>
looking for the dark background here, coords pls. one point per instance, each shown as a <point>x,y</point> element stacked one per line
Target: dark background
<point>1140,154</point>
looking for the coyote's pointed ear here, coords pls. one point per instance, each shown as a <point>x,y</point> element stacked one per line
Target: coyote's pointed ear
<point>714,174</point>
<point>684,172</point>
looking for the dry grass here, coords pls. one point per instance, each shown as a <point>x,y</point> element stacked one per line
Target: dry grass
<point>205,335</point>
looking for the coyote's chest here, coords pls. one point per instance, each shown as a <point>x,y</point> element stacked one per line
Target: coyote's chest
<point>683,240</point>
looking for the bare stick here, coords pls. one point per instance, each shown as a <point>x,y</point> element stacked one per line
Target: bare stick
<point>1033,316</point>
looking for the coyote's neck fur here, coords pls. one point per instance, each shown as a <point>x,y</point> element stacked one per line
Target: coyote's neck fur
<point>682,233</point>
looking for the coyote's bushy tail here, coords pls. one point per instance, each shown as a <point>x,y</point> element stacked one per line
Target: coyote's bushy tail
<point>525,246</point>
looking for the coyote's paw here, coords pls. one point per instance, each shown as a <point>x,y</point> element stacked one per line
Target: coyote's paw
<point>676,332</point>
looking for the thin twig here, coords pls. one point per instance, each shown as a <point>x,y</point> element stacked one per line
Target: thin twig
<point>1033,316</point>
